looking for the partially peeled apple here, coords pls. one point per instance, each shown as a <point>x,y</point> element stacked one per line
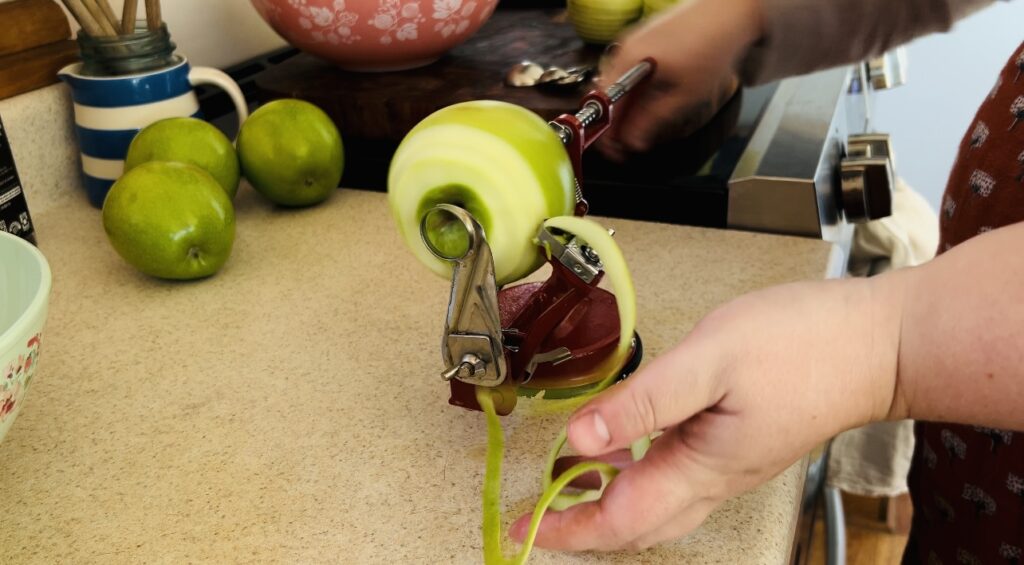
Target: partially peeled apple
<point>501,163</point>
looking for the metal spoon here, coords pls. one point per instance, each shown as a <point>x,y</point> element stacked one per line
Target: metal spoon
<point>524,74</point>
<point>577,75</point>
<point>565,78</point>
<point>553,74</point>
<point>529,73</point>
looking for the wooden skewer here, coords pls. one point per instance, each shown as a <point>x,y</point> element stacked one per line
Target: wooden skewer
<point>131,8</point>
<point>153,18</point>
<point>100,17</point>
<point>85,19</point>
<point>109,14</point>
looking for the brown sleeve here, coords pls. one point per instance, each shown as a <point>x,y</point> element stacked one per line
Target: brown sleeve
<point>801,36</point>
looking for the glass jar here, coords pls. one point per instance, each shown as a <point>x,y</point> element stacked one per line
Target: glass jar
<point>139,52</point>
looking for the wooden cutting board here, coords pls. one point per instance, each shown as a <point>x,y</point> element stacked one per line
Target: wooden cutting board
<point>31,23</point>
<point>33,46</point>
<point>385,106</point>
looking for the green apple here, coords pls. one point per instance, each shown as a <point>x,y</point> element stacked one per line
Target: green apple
<point>187,140</point>
<point>291,152</point>
<point>170,220</point>
<point>603,21</point>
<point>502,163</point>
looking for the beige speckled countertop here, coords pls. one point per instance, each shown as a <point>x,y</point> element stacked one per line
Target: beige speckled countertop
<point>288,409</point>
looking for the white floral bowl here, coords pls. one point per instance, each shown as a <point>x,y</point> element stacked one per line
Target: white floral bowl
<point>376,35</point>
<point>24,297</point>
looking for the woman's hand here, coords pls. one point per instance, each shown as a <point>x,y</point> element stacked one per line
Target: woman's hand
<point>755,386</point>
<point>697,46</point>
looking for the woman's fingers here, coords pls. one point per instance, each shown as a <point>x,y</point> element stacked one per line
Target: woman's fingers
<point>682,524</point>
<point>621,459</point>
<point>641,500</point>
<point>669,390</point>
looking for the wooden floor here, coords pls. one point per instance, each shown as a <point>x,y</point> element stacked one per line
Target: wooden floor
<point>868,538</point>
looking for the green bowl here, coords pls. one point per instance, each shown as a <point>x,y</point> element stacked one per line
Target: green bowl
<point>25,290</point>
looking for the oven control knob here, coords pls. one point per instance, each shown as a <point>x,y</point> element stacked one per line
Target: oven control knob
<point>888,70</point>
<point>866,175</point>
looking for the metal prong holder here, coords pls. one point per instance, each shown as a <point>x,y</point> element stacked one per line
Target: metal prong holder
<point>471,346</point>
<point>549,336</point>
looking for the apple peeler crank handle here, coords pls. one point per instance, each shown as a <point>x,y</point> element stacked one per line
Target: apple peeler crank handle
<point>593,109</point>
<point>578,131</point>
<point>631,79</point>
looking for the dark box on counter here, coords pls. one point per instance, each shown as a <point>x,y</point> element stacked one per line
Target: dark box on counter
<point>14,216</point>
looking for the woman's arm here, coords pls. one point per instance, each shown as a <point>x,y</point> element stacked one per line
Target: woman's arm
<point>800,36</point>
<point>961,355</point>
<point>704,47</point>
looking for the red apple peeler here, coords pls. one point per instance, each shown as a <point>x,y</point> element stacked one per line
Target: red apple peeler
<point>548,336</point>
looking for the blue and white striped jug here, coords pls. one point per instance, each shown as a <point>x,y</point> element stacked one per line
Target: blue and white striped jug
<point>109,111</point>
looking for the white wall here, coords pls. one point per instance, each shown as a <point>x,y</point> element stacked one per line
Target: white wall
<point>949,76</point>
<point>215,33</point>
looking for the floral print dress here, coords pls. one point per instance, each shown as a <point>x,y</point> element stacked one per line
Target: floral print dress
<point>967,483</point>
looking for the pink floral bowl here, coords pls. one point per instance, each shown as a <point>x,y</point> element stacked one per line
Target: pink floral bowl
<point>24,297</point>
<point>376,35</point>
